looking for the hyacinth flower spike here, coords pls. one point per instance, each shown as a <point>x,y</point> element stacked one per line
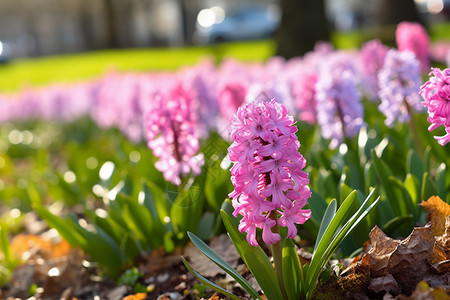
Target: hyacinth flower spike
<point>270,192</point>
<point>270,184</point>
<point>436,93</point>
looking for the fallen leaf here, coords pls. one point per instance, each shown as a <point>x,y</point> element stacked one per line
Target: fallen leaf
<point>213,297</point>
<point>138,296</point>
<point>397,266</point>
<point>437,211</point>
<point>424,291</point>
<point>377,259</point>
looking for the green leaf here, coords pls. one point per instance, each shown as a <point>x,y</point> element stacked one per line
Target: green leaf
<point>411,184</point>
<point>405,203</point>
<point>5,246</point>
<point>209,283</point>
<point>292,272</point>
<point>187,208</point>
<point>428,189</point>
<point>66,228</point>
<point>208,252</point>
<point>326,220</point>
<point>334,236</point>
<point>384,173</point>
<point>206,226</point>
<point>440,181</point>
<point>414,165</point>
<point>345,191</point>
<point>156,201</point>
<point>334,224</point>
<point>317,205</point>
<point>254,257</point>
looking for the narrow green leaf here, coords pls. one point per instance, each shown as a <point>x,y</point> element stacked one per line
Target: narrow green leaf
<point>187,208</point>
<point>66,228</point>
<point>428,188</point>
<point>208,252</point>
<point>333,236</point>
<point>383,174</point>
<point>317,205</point>
<point>414,165</point>
<point>227,206</point>
<point>292,272</point>
<point>411,184</point>
<point>206,226</point>
<point>207,282</point>
<point>326,220</point>
<point>440,181</point>
<point>345,191</point>
<point>5,245</point>
<point>256,260</point>
<point>326,238</point>
<point>155,200</point>
<point>402,196</point>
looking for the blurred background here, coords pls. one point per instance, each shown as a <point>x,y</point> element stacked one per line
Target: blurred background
<point>47,27</point>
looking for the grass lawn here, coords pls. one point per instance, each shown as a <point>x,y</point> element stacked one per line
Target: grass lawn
<point>75,67</point>
<point>81,66</point>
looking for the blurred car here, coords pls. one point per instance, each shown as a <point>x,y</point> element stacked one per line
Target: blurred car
<point>5,52</point>
<point>245,23</point>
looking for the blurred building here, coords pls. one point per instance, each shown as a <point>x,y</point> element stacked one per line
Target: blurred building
<point>44,27</point>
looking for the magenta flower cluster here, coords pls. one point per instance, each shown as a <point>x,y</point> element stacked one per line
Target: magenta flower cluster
<point>413,37</point>
<point>172,133</point>
<point>270,184</point>
<point>436,93</point>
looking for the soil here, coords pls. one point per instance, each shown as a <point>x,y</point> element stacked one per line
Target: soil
<point>51,269</point>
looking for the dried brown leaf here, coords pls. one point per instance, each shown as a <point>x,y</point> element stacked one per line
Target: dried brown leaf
<point>377,259</point>
<point>424,291</point>
<point>395,266</point>
<point>437,211</point>
<point>138,296</point>
<point>386,283</point>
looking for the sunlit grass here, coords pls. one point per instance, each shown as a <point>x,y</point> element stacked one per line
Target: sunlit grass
<point>81,66</point>
<point>77,67</point>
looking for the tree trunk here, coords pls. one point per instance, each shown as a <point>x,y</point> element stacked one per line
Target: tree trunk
<point>392,12</point>
<point>303,23</point>
<point>110,25</point>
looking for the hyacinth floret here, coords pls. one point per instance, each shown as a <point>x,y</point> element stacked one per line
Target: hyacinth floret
<point>171,134</point>
<point>270,186</point>
<point>413,37</point>
<point>371,58</point>
<point>339,108</point>
<point>399,81</point>
<point>436,93</point>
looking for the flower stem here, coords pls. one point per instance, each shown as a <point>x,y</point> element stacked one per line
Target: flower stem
<point>277,255</point>
<point>414,131</point>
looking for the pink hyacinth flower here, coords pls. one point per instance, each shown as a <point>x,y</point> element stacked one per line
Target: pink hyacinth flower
<point>436,93</point>
<point>268,171</point>
<point>411,36</point>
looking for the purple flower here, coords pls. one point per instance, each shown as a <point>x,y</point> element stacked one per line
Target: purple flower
<point>436,93</point>
<point>399,81</point>
<point>371,58</point>
<point>268,171</point>
<point>413,37</point>
<point>339,108</point>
